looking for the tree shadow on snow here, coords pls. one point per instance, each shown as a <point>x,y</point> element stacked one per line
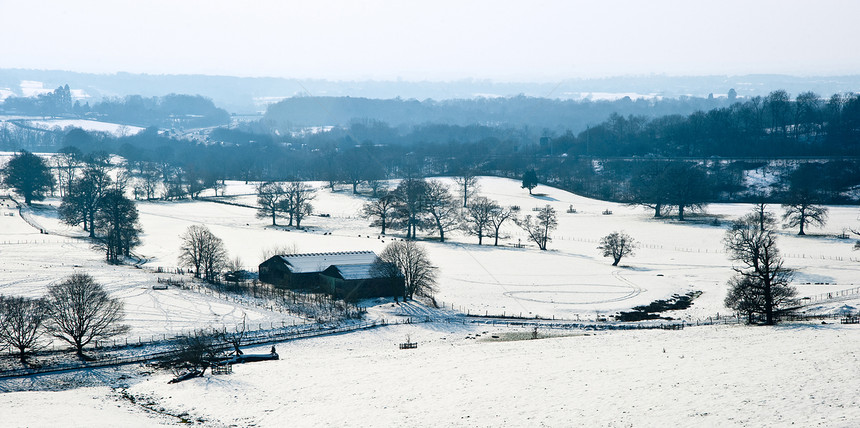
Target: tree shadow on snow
<point>544,197</point>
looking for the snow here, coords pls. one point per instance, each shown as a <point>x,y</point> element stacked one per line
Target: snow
<point>459,376</point>
<point>317,262</point>
<point>571,280</point>
<point>31,261</point>
<point>82,407</point>
<point>710,376</point>
<point>611,96</point>
<point>727,375</point>
<point>116,129</point>
<point>32,88</point>
<point>5,93</point>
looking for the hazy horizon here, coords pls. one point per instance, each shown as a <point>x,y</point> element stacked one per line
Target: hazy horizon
<point>499,41</point>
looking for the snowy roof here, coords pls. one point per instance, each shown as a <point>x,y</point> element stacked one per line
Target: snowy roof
<point>318,262</point>
<point>352,272</point>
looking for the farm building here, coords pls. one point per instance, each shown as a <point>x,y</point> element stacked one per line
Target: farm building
<point>351,275</point>
<point>361,281</point>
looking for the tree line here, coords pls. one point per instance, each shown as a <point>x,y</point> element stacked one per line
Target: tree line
<point>168,111</point>
<point>519,111</point>
<point>366,152</point>
<point>771,126</point>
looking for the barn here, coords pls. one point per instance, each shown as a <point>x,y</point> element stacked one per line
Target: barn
<point>349,274</point>
<point>361,281</point>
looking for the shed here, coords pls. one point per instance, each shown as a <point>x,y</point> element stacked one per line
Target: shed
<point>296,271</point>
<point>362,281</point>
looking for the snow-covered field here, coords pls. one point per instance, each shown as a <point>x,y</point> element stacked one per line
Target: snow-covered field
<point>116,129</point>
<point>791,375</point>
<point>30,261</point>
<point>703,376</point>
<point>571,280</point>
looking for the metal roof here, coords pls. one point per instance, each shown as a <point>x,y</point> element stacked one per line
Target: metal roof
<point>318,262</point>
<point>362,271</point>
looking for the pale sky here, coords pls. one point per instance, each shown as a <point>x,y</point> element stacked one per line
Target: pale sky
<point>433,40</point>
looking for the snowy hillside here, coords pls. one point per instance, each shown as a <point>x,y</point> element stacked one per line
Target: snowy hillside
<point>460,375</point>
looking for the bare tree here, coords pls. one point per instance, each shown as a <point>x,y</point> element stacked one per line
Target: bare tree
<point>467,183</point>
<point>761,283</point>
<point>300,196</point>
<point>761,216</point>
<point>498,216</point>
<point>617,245</point>
<point>744,297</point>
<point>440,206</point>
<point>80,311</point>
<point>21,321</point>
<point>203,251</point>
<point>269,197</point>
<point>235,264</point>
<point>150,176</point>
<point>377,185</point>
<point>687,187</point>
<point>412,261</point>
<point>381,209</point>
<point>197,351</point>
<point>410,200</point>
<point>539,227</point>
<point>649,188</point>
<point>276,250</point>
<point>478,218</point>
<point>67,163</point>
<point>802,211</point>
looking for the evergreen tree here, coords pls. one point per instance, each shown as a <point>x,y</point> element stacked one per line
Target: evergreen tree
<point>29,176</point>
<point>530,180</point>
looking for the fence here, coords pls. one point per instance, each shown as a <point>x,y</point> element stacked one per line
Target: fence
<point>831,296</point>
<point>251,338</point>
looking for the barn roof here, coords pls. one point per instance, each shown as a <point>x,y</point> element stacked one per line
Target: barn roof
<point>355,272</point>
<point>318,262</point>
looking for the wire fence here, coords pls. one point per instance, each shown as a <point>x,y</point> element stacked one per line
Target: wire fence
<point>830,296</point>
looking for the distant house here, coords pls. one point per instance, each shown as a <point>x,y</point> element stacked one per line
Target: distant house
<point>361,281</point>
<point>345,274</point>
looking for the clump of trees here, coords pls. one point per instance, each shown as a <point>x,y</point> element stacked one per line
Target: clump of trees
<point>670,186</point>
<point>429,205</point>
<point>292,199</point>
<point>98,203</point>
<point>761,284</point>
<point>617,245</point>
